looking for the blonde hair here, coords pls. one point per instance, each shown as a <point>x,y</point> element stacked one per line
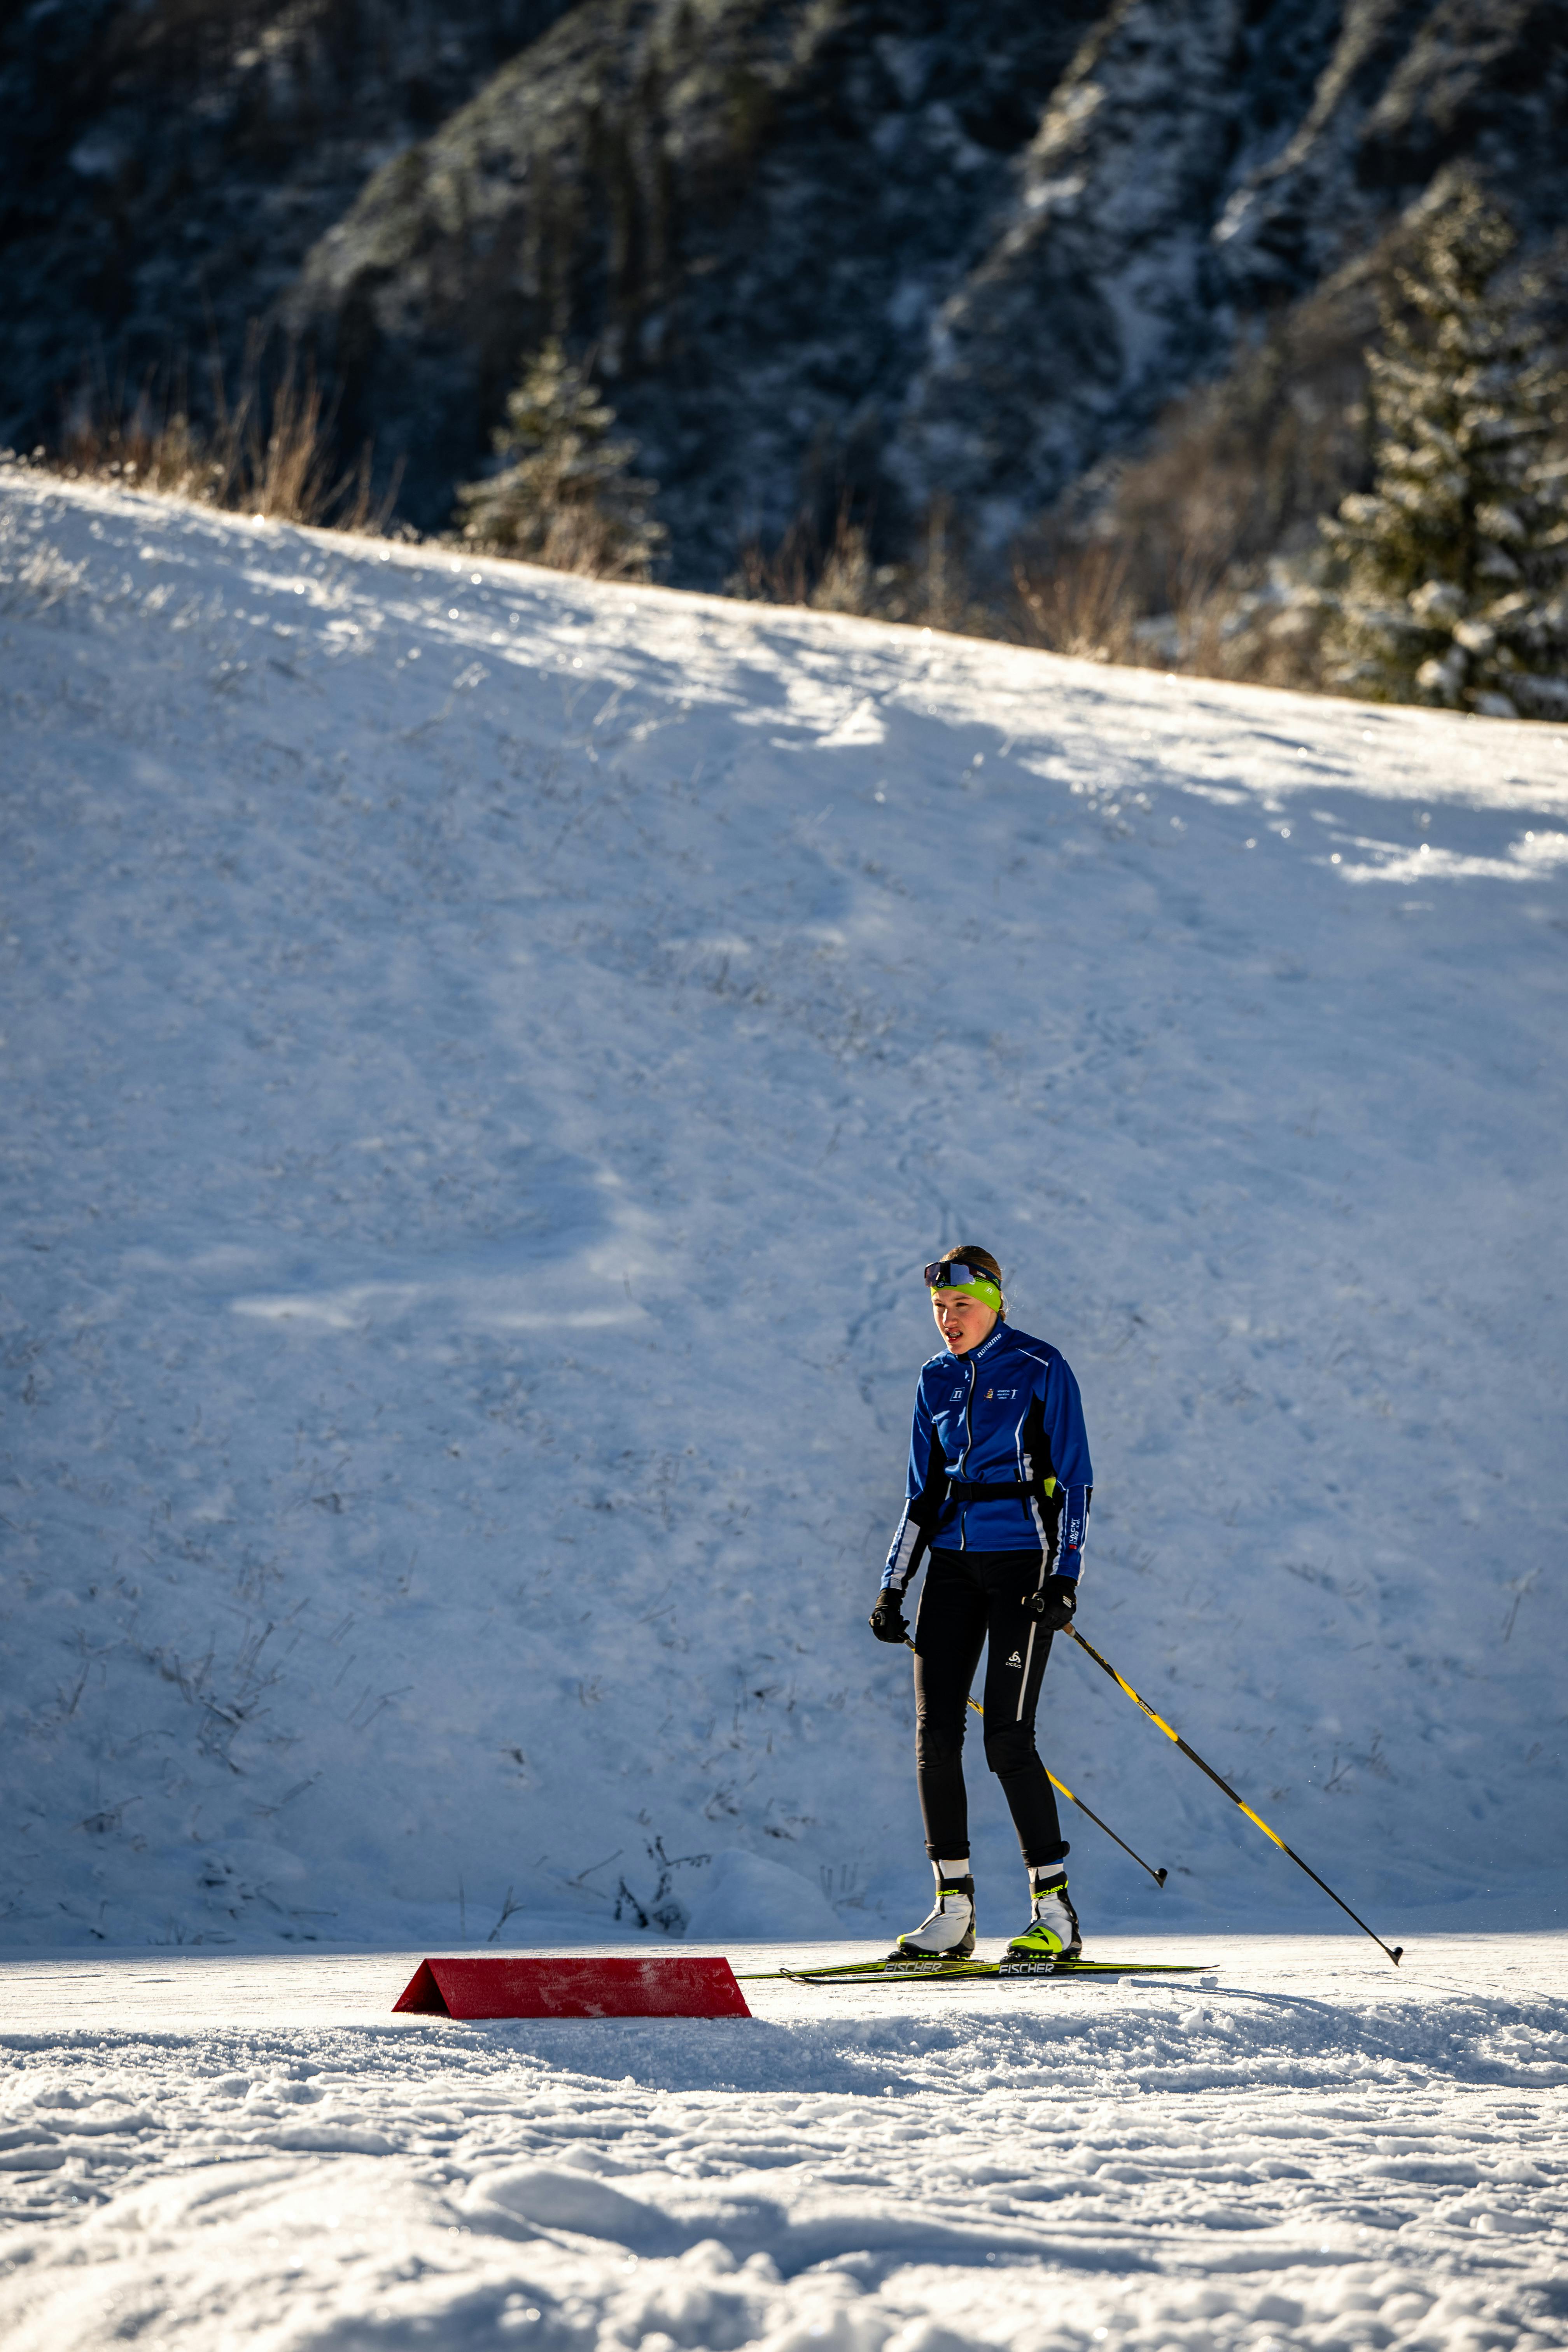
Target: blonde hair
<point>980,1257</point>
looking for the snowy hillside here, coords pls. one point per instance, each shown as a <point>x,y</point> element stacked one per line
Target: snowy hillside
<point>486,1055</point>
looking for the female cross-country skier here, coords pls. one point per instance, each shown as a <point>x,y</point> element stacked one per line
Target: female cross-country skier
<point>999,1490</point>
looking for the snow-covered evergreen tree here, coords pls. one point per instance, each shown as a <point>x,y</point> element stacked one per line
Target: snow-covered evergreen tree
<point>1453,567</point>
<point>568,498</point>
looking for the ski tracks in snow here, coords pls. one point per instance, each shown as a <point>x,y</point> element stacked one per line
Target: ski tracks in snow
<point>1377,2163</point>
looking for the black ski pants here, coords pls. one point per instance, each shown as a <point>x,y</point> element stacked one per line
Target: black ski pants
<point>972,1599</point>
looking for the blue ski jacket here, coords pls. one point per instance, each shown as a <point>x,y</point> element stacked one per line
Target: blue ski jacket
<point>1007,1415</point>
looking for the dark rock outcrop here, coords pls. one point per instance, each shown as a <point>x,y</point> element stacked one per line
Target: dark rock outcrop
<point>165,169</point>
<point>1104,292</point>
<point>750,210</point>
<point>881,251</point>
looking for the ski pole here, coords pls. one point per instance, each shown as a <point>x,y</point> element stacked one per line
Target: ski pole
<point>1394,1951</point>
<point>1159,1876</point>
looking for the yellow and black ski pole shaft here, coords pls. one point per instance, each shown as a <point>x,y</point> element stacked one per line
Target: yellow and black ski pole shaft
<point>1159,1876</point>
<point>1394,1951</point>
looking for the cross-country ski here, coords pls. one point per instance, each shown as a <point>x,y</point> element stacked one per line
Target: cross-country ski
<point>1013,1970</point>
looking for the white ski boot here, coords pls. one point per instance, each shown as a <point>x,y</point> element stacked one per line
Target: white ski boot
<point>1052,1933</point>
<point>947,1933</point>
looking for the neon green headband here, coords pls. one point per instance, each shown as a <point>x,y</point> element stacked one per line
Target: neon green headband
<point>980,1288</point>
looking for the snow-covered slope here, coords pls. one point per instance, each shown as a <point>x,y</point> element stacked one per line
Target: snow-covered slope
<point>486,1055</point>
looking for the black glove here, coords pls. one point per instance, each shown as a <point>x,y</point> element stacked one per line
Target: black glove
<point>887,1619</point>
<point>1054,1603</point>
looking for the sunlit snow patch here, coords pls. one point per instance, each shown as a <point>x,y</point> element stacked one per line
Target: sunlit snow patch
<point>1527,860</point>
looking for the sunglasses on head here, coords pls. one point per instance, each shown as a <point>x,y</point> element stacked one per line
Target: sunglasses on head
<point>952,1273</point>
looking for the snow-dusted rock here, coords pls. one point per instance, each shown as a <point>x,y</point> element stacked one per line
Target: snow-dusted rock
<point>905,252</point>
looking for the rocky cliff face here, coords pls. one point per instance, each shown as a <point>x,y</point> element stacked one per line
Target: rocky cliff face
<point>825,249</point>
<point>166,168</point>
<point>751,211</point>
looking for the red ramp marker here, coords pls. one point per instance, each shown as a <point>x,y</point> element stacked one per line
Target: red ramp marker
<point>507,1985</point>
